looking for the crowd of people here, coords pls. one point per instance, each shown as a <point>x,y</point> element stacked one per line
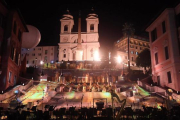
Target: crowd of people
<point>73,113</point>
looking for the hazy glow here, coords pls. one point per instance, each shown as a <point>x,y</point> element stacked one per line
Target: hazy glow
<point>81,52</point>
<point>96,56</point>
<point>70,95</point>
<point>41,62</point>
<point>119,59</point>
<point>106,94</point>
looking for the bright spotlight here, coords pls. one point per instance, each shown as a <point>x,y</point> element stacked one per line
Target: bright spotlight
<point>119,59</point>
<point>96,56</point>
<point>41,62</point>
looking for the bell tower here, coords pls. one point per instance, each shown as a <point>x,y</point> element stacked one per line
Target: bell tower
<point>92,22</point>
<point>67,23</point>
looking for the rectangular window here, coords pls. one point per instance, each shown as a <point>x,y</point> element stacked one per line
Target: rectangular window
<point>169,77</point>
<point>13,52</point>
<point>14,80</point>
<point>166,52</point>
<point>156,58</point>
<point>46,51</point>
<point>33,62</point>
<point>154,35</point>
<point>45,58</point>
<point>132,52</point>
<point>33,54</point>
<point>16,58</point>
<point>64,55</point>
<point>14,27</point>
<point>163,27</point>
<point>136,47</point>
<point>19,35</point>
<point>136,53</point>
<point>51,54</point>
<point>158,80</point>
<point>27,61</point>
<point>39,48</point>
<point>10,76</point>
<point>39,54</point>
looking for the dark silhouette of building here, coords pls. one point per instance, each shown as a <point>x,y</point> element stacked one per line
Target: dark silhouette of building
<point>12,26</point>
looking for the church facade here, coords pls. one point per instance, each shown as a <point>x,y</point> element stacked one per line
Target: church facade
<point>79,46</point>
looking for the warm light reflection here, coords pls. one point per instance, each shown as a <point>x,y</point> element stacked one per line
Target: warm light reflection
<point>119,59</point>
<point>96,56</point>
<point>41,62</point>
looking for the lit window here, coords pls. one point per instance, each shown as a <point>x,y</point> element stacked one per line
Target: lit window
<point>136,53</point>
<point>10,76</point>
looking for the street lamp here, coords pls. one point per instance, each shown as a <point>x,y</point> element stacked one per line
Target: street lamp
<point>41,62</point>
<point>119,60</point>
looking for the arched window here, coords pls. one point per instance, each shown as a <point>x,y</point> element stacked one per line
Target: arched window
<point>92,27</point>
<point>65,28</point>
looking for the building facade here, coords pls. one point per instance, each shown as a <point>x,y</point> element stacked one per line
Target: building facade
<point>136,45</point>
<point>12,26</point>
<point>68,46</point>
<point>164,35</point>
<point>34,56</point>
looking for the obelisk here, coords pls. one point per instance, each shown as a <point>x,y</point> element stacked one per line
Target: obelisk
<point>79,50</point>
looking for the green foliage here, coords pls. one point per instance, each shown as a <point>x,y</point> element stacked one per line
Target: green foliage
<point>144,59</point>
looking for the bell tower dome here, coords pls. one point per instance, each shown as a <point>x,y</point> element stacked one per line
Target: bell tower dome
<point>92,22</point>
<point>67,22</point>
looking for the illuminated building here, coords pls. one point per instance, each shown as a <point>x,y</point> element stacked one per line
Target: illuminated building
<point>164,34</point>
<point>81,46</point>
<point>47,54</point>
<point>136,45</point>
<point>12,26</point>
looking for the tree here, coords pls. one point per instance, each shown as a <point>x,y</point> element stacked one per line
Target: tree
<point>128,31</point>
<point>144,59</point>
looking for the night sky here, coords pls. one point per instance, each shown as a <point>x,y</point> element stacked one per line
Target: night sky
<point>46,14</point>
